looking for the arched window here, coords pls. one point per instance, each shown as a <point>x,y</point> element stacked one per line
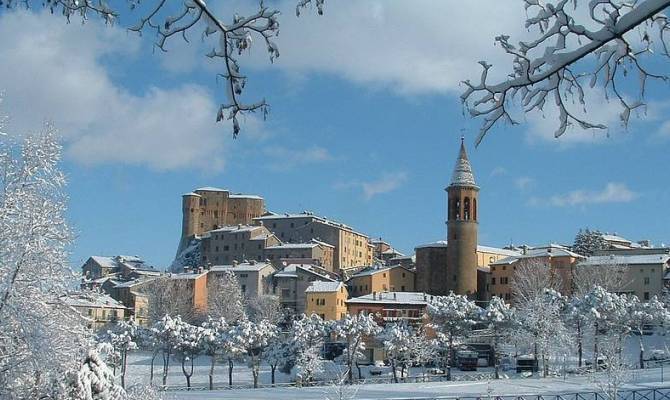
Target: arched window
<point>466,209</point>
<point>474,209</point>
<point>457,206</point>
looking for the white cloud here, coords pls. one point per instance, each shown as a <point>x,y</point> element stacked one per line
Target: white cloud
<point>387,183</point>
<point>418,46</point>
<point>524,182</point>
<point>499,171</point>
<point>56,71</point>
<point>612,193</point>
<point>664,130</point>
<point>284,158</point>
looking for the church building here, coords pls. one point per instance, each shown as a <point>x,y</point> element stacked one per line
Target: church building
<point>458,264</point>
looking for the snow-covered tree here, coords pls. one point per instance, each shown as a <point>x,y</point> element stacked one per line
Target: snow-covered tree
<point>40,336</point>
<point>215,343</point>
<point>306,338</point>
<point>608,317</point>
<point>122,338</point>
<point>423,349</point>
<point>277,353</point>
<point>499,318</point>
<point>166,335</point>
<point>254,338</point>
<point>397,339</point>
<point>230,36</point>
<point>225,298</point>
<point>354,331</point>
<point>540,326</point>
<point>265,307</point>
<point>644,314</point>
<point>609,275</point>
<point>620,35</point>
<point>453,316</point>
<point>187,347</point>
<point>168,296</point>
<point>531,278</point>
<point>93,380</point>
<point>587,242</point>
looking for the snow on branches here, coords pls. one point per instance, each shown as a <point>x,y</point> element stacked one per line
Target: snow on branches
<point>167,19</point>
<point>548,69</point>
<point>353,330</point>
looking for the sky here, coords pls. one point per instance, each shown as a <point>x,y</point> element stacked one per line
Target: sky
<point>364,128</point>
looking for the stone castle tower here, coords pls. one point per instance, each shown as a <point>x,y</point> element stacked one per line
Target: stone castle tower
<point>462,223</point>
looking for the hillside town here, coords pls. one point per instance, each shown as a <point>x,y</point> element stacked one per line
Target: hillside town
<point>240,262</point>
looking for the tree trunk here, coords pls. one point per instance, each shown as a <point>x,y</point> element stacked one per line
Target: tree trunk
<point>211,372</point>
<point>254,372</point>
<point>123,368</point>
<point>358,367</point>
<point>166,367</point>
<point>272,373</point>
<point>230,372</point>
<point>595,348</point>
<point>579,342</point>
<point>395,373</point>
<point>350,372</point>
<point>151,374</point>
<point>545,365</point>
<point>450,359</point>
<point>641,352</point>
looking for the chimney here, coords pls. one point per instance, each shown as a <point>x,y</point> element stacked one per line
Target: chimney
<point>395,296</point>
<point>186,269</point>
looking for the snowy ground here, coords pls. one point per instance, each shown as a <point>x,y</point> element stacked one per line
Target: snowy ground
<point>642,379</point>
<point>139,362</point>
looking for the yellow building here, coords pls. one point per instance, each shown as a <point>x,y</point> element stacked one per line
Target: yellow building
<point>327,300</point>
<point>394,278</point>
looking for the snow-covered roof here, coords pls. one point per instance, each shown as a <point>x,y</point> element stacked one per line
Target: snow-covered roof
<point>236,228</point>
<point>392,251</point>
<point>242,267</point>
<point>638,259</point>
<point>324,286</point>
<point>292,246</point>
<point>553,250</point>
<point>616,238</point>
<point>310,215</point>
<point>462,175</point>
<point>191,194</point>
<point>417,298</point>
<point>188,275</point>
<point>210,189</point>
<point>375,270</point>
<point>134,282</point>
<point>94,300</point>
<point>105,262</point>
<point>291,271</point>
<point>481,249</point>
<point>244,196</point>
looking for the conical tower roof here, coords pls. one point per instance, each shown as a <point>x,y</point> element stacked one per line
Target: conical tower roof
<point>463,175</point>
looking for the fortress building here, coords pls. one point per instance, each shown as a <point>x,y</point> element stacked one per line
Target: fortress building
<point>209,208</point>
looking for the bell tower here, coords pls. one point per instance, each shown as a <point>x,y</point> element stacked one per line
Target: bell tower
<point>462,223</point>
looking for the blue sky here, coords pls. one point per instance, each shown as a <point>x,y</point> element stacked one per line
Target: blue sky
<point>364,128</point>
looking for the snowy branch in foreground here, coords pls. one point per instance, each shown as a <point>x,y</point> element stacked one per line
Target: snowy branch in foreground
<point>232,38</point>
<point>548,68</point>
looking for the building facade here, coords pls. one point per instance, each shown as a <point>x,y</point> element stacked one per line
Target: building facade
<point>209,208</point>
<point>314,252</point>
<point>255,278</point>
<point>99,310</point>
<point>291,283</point>
<point>381,279</point>
<point>561,261</point>
<point>236,243</point>
<point>351,249</point>
<point>327,300</point>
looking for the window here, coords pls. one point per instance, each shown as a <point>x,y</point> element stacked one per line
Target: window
<point>403,274</point>
<point>504,267</point>
<point>646,295</point>
<point>508,296</point>
<point>226,248</point>
<point>217,248</point>
<point>493,281</point>
<point>244,275</point>
<point>244,288</point>
<point>646,280</point>
<point>402,288</point>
